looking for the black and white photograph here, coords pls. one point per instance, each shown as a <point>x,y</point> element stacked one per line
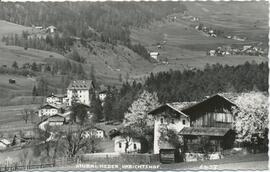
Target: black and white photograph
<point>134,85</point>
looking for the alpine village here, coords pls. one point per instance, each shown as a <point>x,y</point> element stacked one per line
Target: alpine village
<point>133,85</point>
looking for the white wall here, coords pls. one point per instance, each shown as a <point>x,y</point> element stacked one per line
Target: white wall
<point>82,95</point>
<point>47,112</point>
<point>131,148</point>
<point>167,122</point>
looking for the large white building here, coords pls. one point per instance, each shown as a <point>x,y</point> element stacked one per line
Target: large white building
<point>168,116</point>
<point>80,91</point>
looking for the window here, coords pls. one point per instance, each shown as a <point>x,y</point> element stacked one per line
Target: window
<point>135,146</point>
<point>172,121</point>
<point>161,120</point>
<point>120,145</point>
<point>184,122</point>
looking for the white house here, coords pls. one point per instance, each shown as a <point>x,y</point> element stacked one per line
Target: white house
<point>56,99</point>
<point>51,29</point>
<point>80,91</point>
<point>4,143</point>
<point>48,110</point>
<point>96,132</point>
<point>168,116</point>
<point>154,55</point>
<point>102,95</point>
<point>134,145</point>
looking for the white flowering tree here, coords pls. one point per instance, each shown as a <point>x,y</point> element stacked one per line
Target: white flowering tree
<point>138,111</point>
<point>137,118</point>
<point>251,118</point>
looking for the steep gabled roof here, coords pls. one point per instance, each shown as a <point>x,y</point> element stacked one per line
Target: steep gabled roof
<point>81,85</point>
<point>176,106</point>
<point>212,98</point>
<point>49,106</point>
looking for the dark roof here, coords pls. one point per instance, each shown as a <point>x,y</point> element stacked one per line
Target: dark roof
<point>204,131</point>
<point>81,85</point>
<point>49,106</point>
<point>176,106</point>
<point>57,95</point>
<point>215,98</point>
<point>56,118</point>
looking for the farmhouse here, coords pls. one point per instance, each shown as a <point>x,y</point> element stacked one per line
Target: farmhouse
<point>48,110</point>
<point>168,116</point>
<point>122,146</point>
<point>80,91</point>
<point>209,120</point>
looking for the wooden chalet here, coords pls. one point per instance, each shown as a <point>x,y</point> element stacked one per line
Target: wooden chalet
<point>203,125</point>
<point>210,124</point>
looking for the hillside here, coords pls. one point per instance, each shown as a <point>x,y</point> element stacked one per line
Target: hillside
<point>182,45</point>
<point>185,47</point>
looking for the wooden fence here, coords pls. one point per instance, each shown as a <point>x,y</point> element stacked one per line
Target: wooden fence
<point>57,163</point>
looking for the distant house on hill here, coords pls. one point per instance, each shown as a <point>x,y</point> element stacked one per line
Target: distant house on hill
<point>51,29</point>
<point>4,143</point>
<point>80,91</point>
<point>154,55</point>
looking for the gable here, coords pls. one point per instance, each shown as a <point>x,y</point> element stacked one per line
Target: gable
<point>169,110</point>
<point>214,104</point>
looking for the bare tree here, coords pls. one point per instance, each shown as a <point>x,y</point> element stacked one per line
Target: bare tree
<point>27,114</point>
<point>76,140</point>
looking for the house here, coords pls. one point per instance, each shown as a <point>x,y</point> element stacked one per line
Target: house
<point>4,143</point>
<point>48,110</point>
<point>102,95</point>
<point>210,120</point>
<point>212,52</point>
<point>80,91</point>
<point>56,99</point>
<point>51,29</point>
<point>154,55</point>
<point>56,120</point>
<point>95,132</point>
<point>39,27</point>
<point>120,143</point>
<point>12,81</point>
<point>168,116</point>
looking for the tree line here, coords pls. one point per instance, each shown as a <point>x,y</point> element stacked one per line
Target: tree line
<point>189,85</point>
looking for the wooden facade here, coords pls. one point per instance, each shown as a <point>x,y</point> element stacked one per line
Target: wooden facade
<point>212,112</point>
<point>210,125</point>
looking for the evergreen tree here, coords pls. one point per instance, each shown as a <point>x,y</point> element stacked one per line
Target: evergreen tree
<point>15,65</point>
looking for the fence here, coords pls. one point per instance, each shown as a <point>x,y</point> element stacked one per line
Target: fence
<point>120,158</point>
<point>56,163</point>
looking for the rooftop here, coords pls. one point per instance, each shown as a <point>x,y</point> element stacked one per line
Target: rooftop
<point>81,84</point>
<point>204,131</point>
